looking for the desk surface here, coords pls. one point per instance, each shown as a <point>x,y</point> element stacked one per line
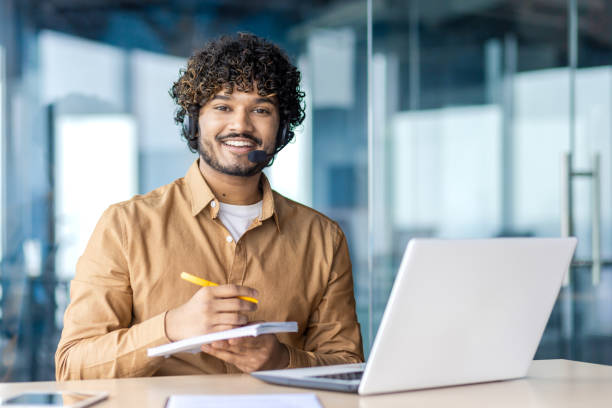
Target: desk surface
<point>550,383</point>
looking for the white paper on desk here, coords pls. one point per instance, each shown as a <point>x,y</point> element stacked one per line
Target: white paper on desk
<point>244,401</point>
<point>192,344</point>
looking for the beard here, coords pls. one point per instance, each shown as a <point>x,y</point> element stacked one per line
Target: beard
<point>207,154</point>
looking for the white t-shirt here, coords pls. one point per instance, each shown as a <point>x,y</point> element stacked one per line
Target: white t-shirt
<point>238,218</point>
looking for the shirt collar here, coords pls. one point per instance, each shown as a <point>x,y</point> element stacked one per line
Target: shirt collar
<point>202,196</point>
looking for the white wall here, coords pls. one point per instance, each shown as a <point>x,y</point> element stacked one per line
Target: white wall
<point>164,154</point>
<point>446,173</point>
<point>95,167</point>
<point>71,65</point>
<point>291,173</point>
<point>152,76</point>
<point>331,54</point>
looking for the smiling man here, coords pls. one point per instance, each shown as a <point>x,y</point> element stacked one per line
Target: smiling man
<point>239,100</point>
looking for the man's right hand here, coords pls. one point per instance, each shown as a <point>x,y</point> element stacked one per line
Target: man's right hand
<point>210,309</point>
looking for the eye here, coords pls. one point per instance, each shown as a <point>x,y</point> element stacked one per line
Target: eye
<point>221,108</point>
<point>262,111</point>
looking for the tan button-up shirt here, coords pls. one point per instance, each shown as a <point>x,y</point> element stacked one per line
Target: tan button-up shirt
<point>128,278</point>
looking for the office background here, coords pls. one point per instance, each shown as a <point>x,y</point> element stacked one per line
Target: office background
<point>437,118</point>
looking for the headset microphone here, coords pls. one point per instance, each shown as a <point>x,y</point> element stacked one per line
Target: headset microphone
<point>259,156</point>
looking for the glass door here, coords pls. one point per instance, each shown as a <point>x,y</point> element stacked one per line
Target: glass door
<point>587,206</point>
<point>478,110</point>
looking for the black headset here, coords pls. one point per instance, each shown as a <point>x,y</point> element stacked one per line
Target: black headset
<point>192,123</point>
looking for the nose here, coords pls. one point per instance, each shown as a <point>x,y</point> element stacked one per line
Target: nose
<point>241,122</point>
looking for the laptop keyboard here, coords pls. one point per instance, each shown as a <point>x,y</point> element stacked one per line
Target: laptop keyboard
<point>353,375</point>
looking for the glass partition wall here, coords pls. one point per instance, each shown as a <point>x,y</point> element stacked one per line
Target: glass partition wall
<point>587,179</point>
<point>492,119</point>
<point>430,118</point>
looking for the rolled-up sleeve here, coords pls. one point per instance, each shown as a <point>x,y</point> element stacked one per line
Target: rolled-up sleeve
<point>99,339</point>
<point>333,335</point>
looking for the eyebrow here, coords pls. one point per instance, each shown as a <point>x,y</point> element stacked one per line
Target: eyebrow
<point>222,97</point>
<point>262,99</point>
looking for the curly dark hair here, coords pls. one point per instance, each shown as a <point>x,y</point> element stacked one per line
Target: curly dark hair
<point>238,62</point>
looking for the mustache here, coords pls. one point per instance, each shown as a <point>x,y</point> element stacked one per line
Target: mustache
<point>221,138</point>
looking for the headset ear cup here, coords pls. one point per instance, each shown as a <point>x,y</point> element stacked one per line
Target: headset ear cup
<point>283,135</point>
<point>192,125</point>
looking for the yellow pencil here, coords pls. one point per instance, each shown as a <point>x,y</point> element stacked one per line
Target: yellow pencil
<point>203,282</point>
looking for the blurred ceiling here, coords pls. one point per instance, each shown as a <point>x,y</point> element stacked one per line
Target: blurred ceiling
<point>181,25</point>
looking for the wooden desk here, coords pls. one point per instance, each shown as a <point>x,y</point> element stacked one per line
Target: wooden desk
<point>551,383</point>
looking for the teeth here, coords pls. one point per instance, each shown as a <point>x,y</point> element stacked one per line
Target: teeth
<point>238,143</point>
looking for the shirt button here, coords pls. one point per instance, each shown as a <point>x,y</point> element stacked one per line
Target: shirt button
<point>213,204</point>
<point>228,238</point>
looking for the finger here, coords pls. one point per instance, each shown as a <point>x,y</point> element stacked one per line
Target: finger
<point>233,305</point>
<point>225,345</point>
<point>223,327</point>
<point>231,319</point>
<point>231,291</point>
<point>224,355</point>
<point>238,345</point>
<point>245,342</point>
<point>220,344</point>
<point>239,341</point>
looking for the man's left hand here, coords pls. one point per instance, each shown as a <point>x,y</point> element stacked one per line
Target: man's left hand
<point>249,354</point>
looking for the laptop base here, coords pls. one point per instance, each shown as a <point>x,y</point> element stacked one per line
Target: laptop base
<point>309,383</point>
<point>332,378</point>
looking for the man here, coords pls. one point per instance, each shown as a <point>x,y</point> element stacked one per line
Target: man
<point>221,222</point>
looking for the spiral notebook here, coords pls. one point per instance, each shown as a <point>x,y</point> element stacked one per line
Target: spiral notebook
<point>193,344</point>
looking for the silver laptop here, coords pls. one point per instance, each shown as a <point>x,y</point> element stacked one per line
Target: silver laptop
<point>460,311</point>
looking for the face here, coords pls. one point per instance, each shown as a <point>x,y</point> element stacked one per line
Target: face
<point>234,124</point>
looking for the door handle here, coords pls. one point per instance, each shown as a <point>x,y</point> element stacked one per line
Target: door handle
<point>596,220</point>
<point>567,220</point>
<point>566,204</point>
